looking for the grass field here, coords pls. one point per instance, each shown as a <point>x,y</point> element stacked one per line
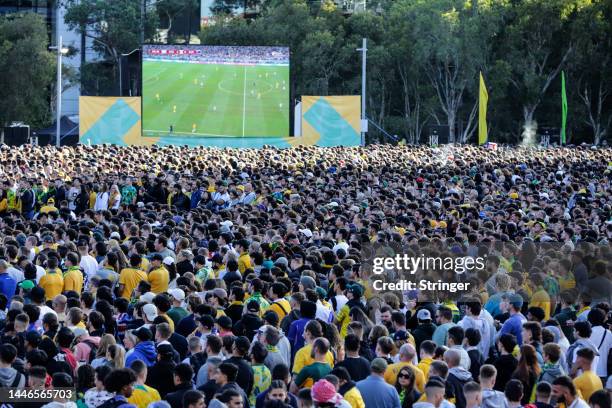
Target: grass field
<point>202,100</point>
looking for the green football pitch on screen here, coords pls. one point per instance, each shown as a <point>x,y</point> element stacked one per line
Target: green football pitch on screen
<point>214,100</point>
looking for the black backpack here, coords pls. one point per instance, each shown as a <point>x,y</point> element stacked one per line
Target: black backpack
<point>112,403</point>
<point>93,350</point>
<point>15,382</point>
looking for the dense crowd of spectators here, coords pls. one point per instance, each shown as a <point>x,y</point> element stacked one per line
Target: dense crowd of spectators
<point>211,54</point>
<point>155,277</point>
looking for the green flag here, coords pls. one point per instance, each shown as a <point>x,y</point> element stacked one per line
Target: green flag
<point>563,107</point>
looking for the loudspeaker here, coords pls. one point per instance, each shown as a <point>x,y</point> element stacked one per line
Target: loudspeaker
<point>125,75</point>
<point>549,136</point>
<point>16,135</point>
<point>438,134</point>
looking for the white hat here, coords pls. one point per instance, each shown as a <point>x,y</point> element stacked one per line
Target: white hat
<point>333,204</point>
<point>307,232</point>
<point>115,235</point>
<point>226,223</point>
<point>178,294</point>
<point>140,204</point>
<point>150,311</point>
<point>147,297</point>
<point>168,260</point>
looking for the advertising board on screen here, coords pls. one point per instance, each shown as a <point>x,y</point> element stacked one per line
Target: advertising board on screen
<point>215,91</point>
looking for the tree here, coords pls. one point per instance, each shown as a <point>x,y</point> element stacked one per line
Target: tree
<point>113,26</point>
<point>536,48</point>
<point>170,9</point>
<point>451,39</point>
<point>26,70</point>
<point>592,68</point>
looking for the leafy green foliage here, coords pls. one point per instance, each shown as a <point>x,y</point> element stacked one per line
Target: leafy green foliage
<point>27,70</point>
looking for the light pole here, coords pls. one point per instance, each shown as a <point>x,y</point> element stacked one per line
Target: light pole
<point>121,70</point>
<point>364,119</point>
<point>60,52</point>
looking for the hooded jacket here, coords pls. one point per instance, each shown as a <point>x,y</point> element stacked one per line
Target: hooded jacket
<point>248,325</point>
<point>457,378</point>
<point>493,399</point>
<point>145,351</point>
<point>550,372</point>
<point>424,331</point>
<point>8,376</point>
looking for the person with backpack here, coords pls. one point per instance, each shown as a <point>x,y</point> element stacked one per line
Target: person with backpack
<point>583,333</point>
<point>9,377</point>
<point>86,347</point>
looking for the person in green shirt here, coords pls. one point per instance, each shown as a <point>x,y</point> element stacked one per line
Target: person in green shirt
<point>261,374</point>
<point>177,312</point>
<point>128,193</point>
<point>315,371</point>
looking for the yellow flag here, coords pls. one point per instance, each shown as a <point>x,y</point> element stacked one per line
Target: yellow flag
<point>482,112</point>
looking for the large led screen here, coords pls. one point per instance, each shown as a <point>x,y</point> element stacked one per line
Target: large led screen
<point>215,91</point>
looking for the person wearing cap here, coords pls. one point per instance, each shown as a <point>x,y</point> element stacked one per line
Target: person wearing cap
<point>144,349</point>
<point>354,292</point>
<point>130,277</point>
<point>49,207</point>
<point>324,394</point>
<point>177,312</point>
<point>158,276</point>
<point>376,393</point>
<point>425,329</point>
<point>512,303</point>
<point>217,299</point>
<point>149,314</point>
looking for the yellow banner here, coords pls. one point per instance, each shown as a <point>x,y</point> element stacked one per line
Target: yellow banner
<point>483,100</point>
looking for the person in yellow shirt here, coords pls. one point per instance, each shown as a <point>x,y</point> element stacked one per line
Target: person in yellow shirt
<point>158,276</point>
<point>279,304</point>
<point>52,281</point>
<point>244,259</point>
<point>343,318</point>
<point>303,357</point>
<point>426,354</point>
<point>142,395</point>
<point>540,297</point>
<point>50,207</point>
<point>73,277</point>
<point>347,388</point>
<point>319,368</point>
<point>406,354</point>
<point>588,382</point>
<point>131,277</point>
